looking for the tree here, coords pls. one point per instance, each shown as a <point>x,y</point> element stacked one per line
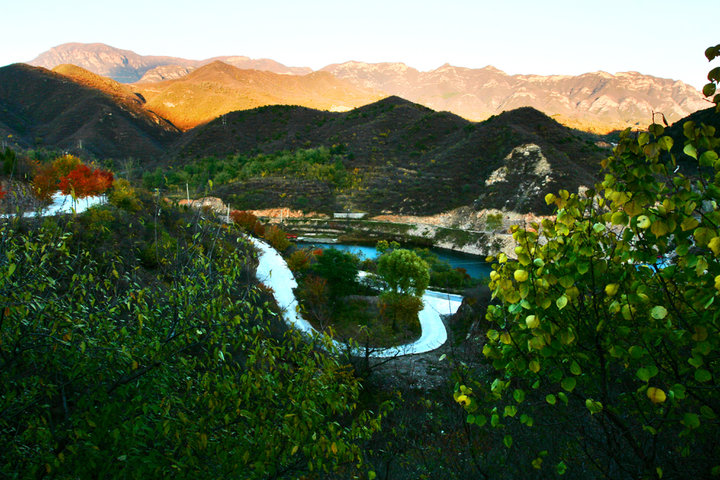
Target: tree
<point>69,175</point>
<point>407,276</point>
<point>83,181</point>
<point>109,371</point>
<point>404,272</point>
<point>340,269</point>
<point>608,322</point>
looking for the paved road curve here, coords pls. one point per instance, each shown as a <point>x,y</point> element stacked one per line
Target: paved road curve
<point>274,272</point>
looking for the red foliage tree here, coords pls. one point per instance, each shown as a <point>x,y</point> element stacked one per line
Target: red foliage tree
<point>85,181</point>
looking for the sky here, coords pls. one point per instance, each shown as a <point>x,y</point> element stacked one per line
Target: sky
<point>661,38</point>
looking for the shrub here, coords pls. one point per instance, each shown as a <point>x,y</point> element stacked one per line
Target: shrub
<point>123,196</point>
<point>277,238</point>
<point>248,222</point>
<point>299,260</point>
<point>401,311</point>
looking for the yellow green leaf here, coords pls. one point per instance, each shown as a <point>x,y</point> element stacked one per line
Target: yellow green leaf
<point>520,275</point>
<point>656,395</point>
<point>561,302</point>
<point>658,312</point>
<point>714,245</point>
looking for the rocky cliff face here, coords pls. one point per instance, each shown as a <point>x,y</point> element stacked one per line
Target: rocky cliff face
<point>595,101</point>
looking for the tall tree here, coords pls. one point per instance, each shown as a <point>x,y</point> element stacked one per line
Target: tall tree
<point>404,272</point>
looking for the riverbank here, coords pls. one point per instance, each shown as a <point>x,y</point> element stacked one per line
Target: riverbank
<point>465,230</point>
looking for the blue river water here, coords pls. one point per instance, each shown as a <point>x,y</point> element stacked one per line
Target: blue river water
<point>475,265</point>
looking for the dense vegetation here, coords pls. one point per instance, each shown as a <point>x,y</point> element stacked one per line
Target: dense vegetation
<point>321,164</point>
<point>135,342</point>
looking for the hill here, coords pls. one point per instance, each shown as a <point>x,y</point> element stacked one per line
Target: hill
<point>596,101</point>
<point>218,88</point>
<point>407,158</point>
<point>388,157</point>
<point>48,110</point>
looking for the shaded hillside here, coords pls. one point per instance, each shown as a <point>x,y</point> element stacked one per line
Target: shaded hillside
<point>39,108</point>
<point>219,88</point>
<point>410,159</point>
<point>119,91</point>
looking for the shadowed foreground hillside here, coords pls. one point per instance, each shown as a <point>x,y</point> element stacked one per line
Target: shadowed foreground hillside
<point>42,109</point>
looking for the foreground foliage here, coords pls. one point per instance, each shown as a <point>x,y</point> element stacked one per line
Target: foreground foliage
<point>136,345</point>
<point>608,324</point>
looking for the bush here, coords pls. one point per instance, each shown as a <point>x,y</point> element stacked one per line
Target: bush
<point>299,260</point>
<point>123,196</point>
<point>111,371</point>
<point>248,222</point>
<point>277,238</point>
<point>401,311</point>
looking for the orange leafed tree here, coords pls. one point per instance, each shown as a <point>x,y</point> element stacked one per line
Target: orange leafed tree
<point>45,182</point>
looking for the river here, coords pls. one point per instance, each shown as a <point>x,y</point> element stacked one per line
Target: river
<point>474,265</point>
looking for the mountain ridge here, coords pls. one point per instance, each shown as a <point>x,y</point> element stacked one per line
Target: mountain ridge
<point>217,88</point>
<point>126,66</point>
<point>596,101</point>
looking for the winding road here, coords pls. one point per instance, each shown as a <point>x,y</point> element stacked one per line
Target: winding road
<point>274,272</point>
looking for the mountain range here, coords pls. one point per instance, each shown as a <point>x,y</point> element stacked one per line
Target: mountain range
<point>126,66</point>
<point>408,158</point>
<point>597,101</point>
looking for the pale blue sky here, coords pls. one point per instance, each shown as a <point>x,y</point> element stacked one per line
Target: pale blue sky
<point>661,38</point>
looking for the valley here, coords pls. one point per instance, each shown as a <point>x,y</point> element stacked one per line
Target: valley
<point>180,324</point>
